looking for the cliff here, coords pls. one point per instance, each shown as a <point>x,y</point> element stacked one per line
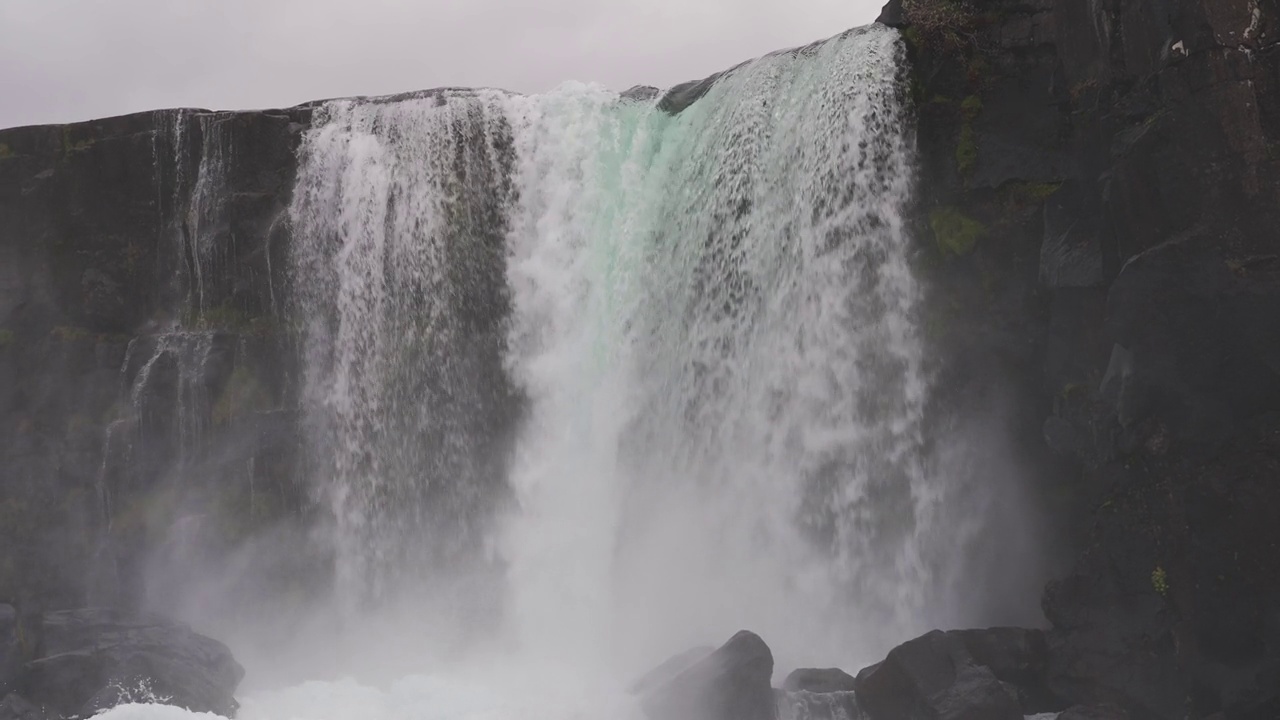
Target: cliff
<point>1102,185</point>
<point>140,271</point>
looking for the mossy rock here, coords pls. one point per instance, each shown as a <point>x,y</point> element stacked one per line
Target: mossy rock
<point>956,233</point>
<point>7,338</point>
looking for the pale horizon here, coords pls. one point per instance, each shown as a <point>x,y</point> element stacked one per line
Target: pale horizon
<point>69,62</point>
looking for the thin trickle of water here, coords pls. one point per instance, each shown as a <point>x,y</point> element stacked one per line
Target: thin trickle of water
<point>205,205</point>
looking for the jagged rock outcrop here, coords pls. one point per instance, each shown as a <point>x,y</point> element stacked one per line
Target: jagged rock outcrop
<point>1101,182</point>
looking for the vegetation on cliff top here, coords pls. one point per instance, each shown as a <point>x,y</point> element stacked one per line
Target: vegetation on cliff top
<point>946,25</point>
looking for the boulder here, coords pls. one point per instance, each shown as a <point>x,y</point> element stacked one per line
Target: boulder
<point>730,683</point>
<point>1018,657</point>
<point>937,677</point>
<point>819,680</point>
<point>13,707</point>
<point>93,659</point>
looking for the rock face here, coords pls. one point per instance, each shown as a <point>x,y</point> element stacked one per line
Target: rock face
<point>730,683</point>
<point>85,661</point>
<point>1100,189</point>
<point>140,267</point>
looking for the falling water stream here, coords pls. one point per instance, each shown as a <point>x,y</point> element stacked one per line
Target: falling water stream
<point>617,382</point>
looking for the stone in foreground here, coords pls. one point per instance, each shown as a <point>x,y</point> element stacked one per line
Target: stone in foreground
<point>935,677</point>
<point>92,659</point>
<point>731,683</point>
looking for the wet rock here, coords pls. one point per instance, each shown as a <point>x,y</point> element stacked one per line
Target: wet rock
<point>731,683</point>
<point>935,677</point>
<point>819,680</point>
<point>892,15</point>
<point>1018,657</point>
<point>641,93</point>
<point>10,651</point>
<point>1071,254</point>
<point>1094,712</point>
<point>93,659</point>
<point>13,707</point>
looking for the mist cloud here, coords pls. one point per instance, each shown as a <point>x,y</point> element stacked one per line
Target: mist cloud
<point>68,60</point>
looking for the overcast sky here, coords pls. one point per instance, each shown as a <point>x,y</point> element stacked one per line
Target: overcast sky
<point>68,60</point>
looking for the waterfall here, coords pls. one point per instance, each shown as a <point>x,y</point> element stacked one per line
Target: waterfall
<point>663,374</point>
<point>714,322</point>
<point>400,219</point>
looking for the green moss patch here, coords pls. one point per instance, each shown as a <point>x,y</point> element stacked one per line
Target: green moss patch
<point>6,338</point>
<point>956,233</point>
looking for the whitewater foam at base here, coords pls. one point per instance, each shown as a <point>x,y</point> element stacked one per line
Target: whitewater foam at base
<point>618,382</point>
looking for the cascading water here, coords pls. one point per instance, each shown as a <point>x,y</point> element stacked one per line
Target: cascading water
<point>659,375</point>
<point>399,218</point>
<point>714,322</point>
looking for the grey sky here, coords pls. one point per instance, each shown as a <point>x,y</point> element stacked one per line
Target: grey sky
<point>67,60</point>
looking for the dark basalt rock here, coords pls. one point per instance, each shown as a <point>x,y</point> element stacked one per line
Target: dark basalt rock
<point>1093,712</point>
<point>13,707</point>
<point>681,96</point>
<point>118,235</point>
<point>819,680</point>
<point>892,15</point>
<point>934,677</point>
<point>1120,161</point>
<point>731,683</point>
<point>10,647</point>
<point>641,93</point>
<point>93,659</point>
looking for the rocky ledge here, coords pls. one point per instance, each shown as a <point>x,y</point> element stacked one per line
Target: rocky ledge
<point>76,663</point>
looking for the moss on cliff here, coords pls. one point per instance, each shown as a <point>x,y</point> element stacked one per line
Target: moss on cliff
<point>956,233</point>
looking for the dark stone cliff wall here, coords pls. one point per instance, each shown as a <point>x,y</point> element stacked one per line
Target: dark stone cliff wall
<point>1101,183</point>
<point>141,258</point>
